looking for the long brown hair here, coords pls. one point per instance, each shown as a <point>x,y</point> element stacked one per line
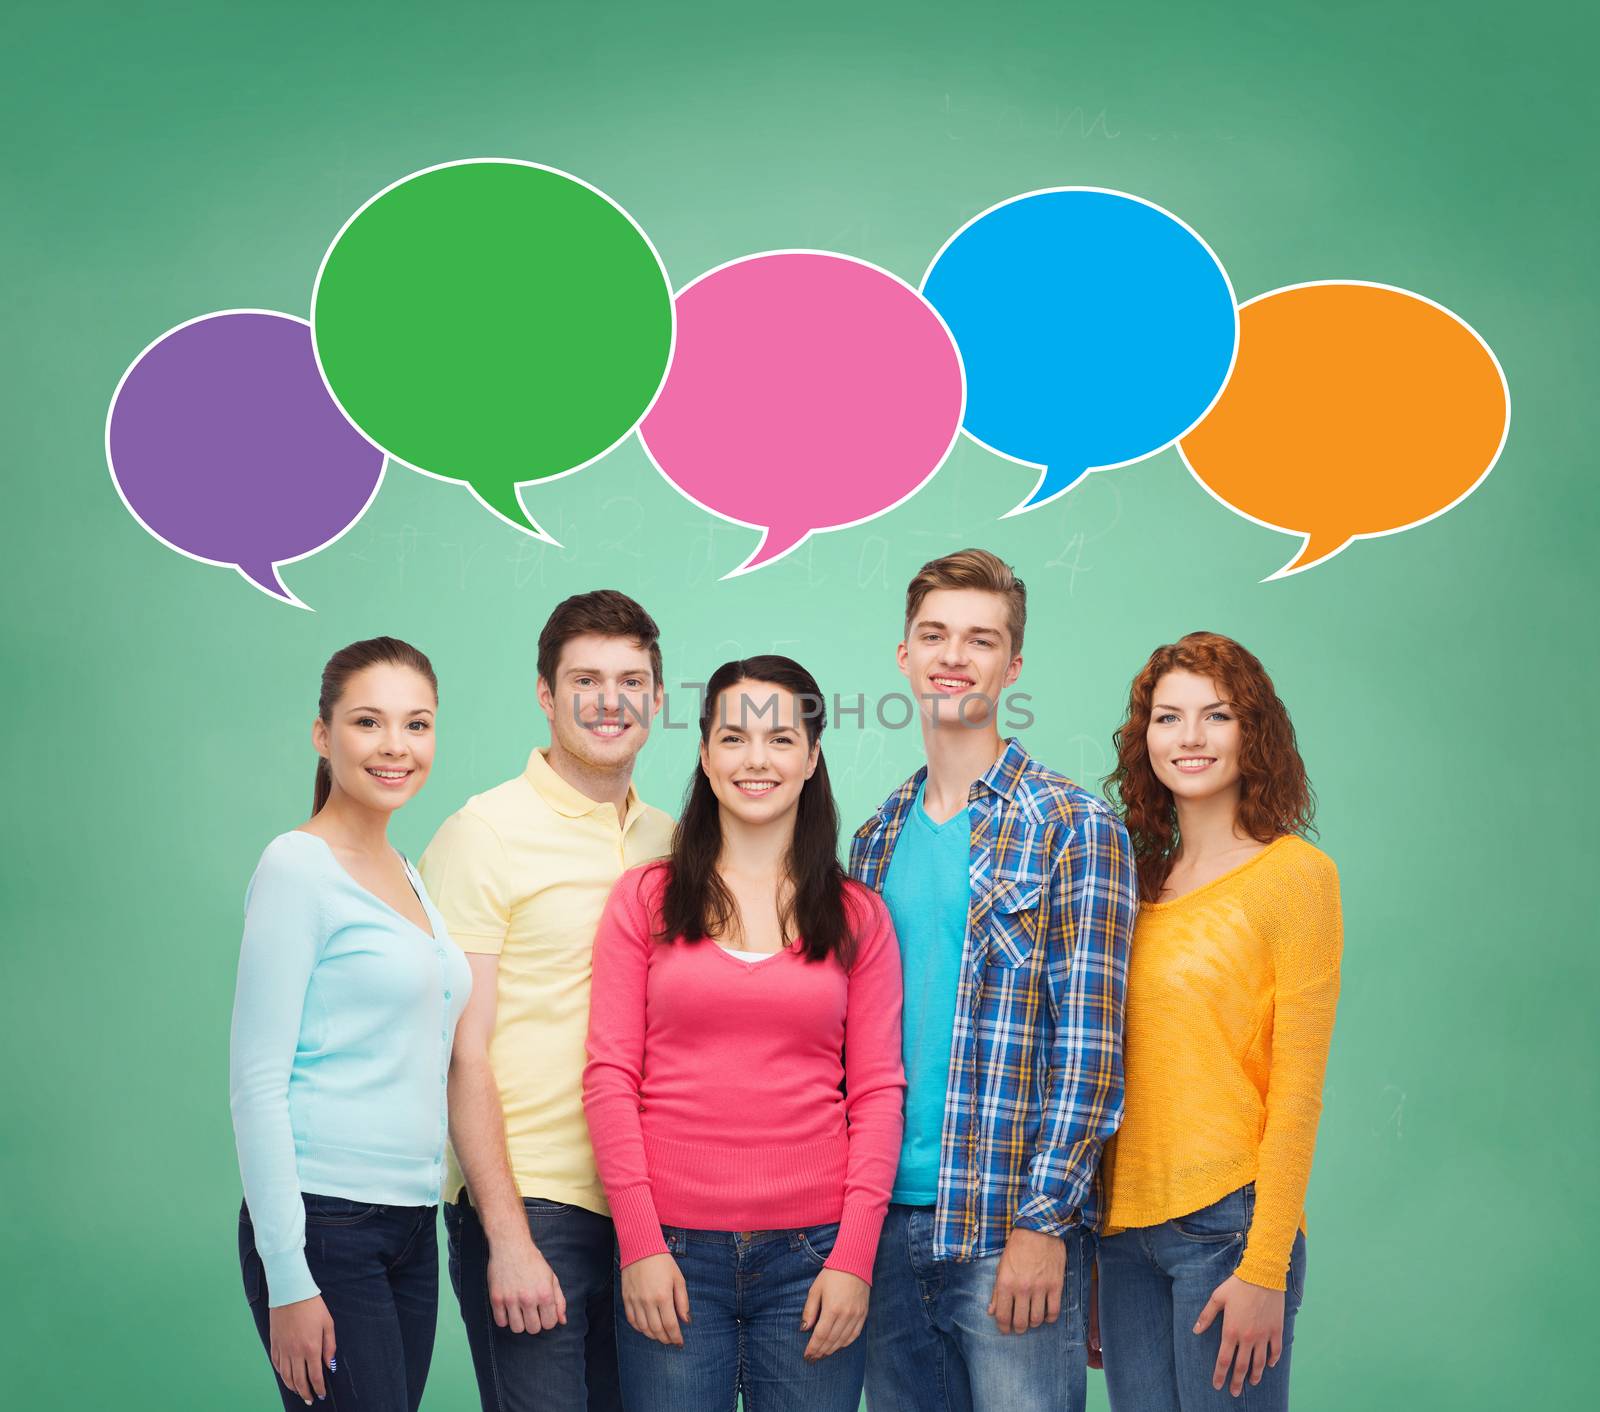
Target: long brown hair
<point>1275,796</point>
<point>344,664</point>
<point>696,903</point>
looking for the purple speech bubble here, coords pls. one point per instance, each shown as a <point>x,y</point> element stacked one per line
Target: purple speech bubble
<point>224,444</point>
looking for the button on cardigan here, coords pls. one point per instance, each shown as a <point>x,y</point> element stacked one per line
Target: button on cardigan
<point>343,1020</point>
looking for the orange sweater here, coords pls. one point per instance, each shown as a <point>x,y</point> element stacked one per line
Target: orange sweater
<point>1231,994</point>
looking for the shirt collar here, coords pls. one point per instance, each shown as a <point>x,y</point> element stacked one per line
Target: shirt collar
<point>1004,777</point>
<point>565,799</point>
<point>894,808</point>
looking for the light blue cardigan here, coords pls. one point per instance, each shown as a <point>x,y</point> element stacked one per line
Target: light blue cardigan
<point>342,1025</point>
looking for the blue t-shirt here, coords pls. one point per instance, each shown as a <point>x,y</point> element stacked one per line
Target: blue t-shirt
<point>927,892</point>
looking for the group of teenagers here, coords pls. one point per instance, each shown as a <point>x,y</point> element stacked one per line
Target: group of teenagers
<point>1031,1087</point>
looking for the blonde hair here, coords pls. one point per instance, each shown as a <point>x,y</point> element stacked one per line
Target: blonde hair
<point>972,568</point>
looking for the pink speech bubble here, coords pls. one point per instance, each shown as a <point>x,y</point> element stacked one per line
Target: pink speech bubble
<point>808,391</point>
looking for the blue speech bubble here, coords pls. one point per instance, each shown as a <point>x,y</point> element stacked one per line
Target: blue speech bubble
<point>1096,330</point>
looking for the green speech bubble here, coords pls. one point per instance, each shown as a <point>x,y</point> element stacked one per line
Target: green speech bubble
<point>493,322</point>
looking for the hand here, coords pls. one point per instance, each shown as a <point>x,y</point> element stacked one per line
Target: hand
<point>301,1335</point>
<point>836,1308</point>
<point>655,1298</point>
<point>1252,1329</point>
<point>1027,1286</point>
<point>524,1292</point>
<point>1096,1360</point>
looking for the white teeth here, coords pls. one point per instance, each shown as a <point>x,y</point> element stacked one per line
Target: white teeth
<point>1194,765</point>
<point>607,730</point>
<point>389,774</point>
<point>756,786</point>
<point>951,682</point>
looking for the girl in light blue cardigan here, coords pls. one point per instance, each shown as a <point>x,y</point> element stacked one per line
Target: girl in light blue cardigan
<point>348,995</point>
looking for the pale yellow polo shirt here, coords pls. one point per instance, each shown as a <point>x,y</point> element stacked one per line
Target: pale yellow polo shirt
<point>523,872</point>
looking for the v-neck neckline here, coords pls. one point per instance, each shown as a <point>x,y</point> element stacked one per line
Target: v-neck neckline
<point>360,887</point>
<point>1221,878</point>
<point>733,960</point>
<point>936,827</point>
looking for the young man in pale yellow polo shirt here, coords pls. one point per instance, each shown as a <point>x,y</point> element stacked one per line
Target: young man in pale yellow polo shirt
<point>521,875</point>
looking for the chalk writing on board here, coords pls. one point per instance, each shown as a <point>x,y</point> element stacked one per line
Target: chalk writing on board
<point>1075,123</point>
<point>624,520</point>
<point>873,562</point>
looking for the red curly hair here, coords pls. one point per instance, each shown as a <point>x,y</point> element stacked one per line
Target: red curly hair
<point>1275,796</point>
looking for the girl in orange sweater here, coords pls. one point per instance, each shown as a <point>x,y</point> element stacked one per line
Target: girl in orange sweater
<point>1231,992</point>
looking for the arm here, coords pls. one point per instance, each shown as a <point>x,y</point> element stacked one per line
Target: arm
<point>1301,922</point>
<point>1094,902</point>
<point>524,1292</point>
<point>464,872</point>
<point>655,1296</point>
<point>1094,899</point>
<point>1306,941</point>
<point>283,936</point>
<point>874,1087</point>
<point>615,1071</point>
<point>874,1082</point>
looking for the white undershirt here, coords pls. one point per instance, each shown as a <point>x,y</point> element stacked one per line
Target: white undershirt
<point>743,955</point>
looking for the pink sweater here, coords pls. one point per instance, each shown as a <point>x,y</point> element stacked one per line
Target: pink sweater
<point>713,1089</point>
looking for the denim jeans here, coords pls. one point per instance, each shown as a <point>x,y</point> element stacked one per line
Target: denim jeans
<point>932,1345</point>
<point>747,1291</point>
<point>378,1270</point>
<point>1154,1281</point>
<point>572,1366</point>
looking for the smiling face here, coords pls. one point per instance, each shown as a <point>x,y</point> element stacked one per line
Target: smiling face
<point>757,757</point>
<point>1193,737</point>
<point>378,740</point>
<point>958,657</point>
<point>602,701</point>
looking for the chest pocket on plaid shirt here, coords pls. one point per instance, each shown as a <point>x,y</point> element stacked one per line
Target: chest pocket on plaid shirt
<point>1015,916</point>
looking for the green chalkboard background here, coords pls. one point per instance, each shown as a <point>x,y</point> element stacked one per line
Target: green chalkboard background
<point>167,160</point>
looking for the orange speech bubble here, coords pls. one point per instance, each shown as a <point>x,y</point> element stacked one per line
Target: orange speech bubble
<point>1354,410</point>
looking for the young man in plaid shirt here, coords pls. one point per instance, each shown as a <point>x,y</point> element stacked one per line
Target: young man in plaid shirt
<point>1013,895</point>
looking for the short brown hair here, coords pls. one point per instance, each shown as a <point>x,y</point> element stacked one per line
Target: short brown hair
<point>972,568</point>
<point>606,613</point>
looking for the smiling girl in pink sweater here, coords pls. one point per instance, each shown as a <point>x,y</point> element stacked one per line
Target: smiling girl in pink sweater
<point>744,1082</point>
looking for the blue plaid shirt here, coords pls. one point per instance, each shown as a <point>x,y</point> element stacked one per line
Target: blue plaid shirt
<point>1035,1086</point>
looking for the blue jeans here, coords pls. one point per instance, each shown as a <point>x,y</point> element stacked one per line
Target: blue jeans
<point>1154,1281</point>
<point>747,1291</point>
<point>931,1343</point>
<point>378,1270</point>
<point>572,1366</point>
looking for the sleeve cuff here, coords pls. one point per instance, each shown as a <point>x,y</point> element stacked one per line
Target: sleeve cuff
<point>288,1277</point>
<point>1254,1269</point>
<point>1046,1217</point>
<point>855,1249</point>
<point>478,943</point>
<point>633,1212</point>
